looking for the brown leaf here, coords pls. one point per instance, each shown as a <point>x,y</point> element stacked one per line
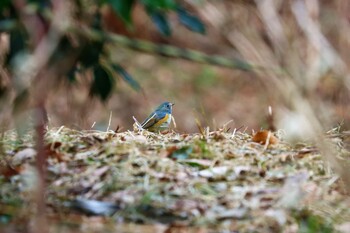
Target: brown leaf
<point>264,135</point>
<point>51,150</point>
<point>305,151</point>
<point>170,150</point>
<point>9,171</point>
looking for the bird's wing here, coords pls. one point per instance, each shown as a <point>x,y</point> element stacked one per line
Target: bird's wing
<point>150,121</point>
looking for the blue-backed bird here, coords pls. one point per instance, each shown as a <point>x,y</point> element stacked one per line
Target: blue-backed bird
<point>159,119</point>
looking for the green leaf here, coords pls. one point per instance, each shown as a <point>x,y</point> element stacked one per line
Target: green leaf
<point>90,53</point>
<point>160,4</point>
<point>40,4</point>
<point>17,44</point>
<point>64,48</point>
<point>190,21</point>
<point>311,223</point>
<point>92,49</point>
<point>123,9</point>
<point>71,75</point>
<point>97,21</point>
<point>7,25</point>
<point>5,218</point>
<point>103,83</point>
<point>200,163</point>
<point>127,77</point>
<point>161,21</point>
<point>182,153</point>
<point>4,4</point>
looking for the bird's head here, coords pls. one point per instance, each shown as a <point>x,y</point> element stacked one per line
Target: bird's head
<point>166,106</point>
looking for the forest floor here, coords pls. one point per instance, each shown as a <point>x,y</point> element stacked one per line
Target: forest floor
<point>214,181</point>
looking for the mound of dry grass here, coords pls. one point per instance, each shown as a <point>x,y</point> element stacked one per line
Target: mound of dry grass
<point>216,180</point>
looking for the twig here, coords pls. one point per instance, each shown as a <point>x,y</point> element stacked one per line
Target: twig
<point>59,130</point>
<point>267,142</point>
<point>173,120</point>
<point>109,121</point>
<point>233,133</point>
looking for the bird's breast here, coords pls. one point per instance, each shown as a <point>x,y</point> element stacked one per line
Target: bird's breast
<point>164,122</point>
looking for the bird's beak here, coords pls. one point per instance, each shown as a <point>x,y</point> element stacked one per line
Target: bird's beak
<point>172,104</point>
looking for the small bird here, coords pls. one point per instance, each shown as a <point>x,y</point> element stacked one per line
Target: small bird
<point>159,119</point>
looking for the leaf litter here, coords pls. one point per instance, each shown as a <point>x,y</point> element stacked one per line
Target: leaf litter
<point>218,180</point>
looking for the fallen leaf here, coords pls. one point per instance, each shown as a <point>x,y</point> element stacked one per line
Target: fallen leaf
<point>236,213</point>
<point>278,215</point>
<point>93,207</point>
<point>202,163</point>
<point>135,138</point>
<point>9,171</point>
<point>170,150</point>
<point>182,153</point>
<point>86,154</point>
<point>263,136</point>
<point>213,172</point>
<point>23,155</point>
<point>241,170</point>
<point>100,171</point>
<point>51,151</point>
<point>343,228</point>
<point>292,192</point>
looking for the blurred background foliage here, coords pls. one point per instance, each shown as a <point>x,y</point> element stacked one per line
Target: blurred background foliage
<point>61,53</point>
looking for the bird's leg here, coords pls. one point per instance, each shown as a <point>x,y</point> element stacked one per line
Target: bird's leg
<point>137,123</point>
